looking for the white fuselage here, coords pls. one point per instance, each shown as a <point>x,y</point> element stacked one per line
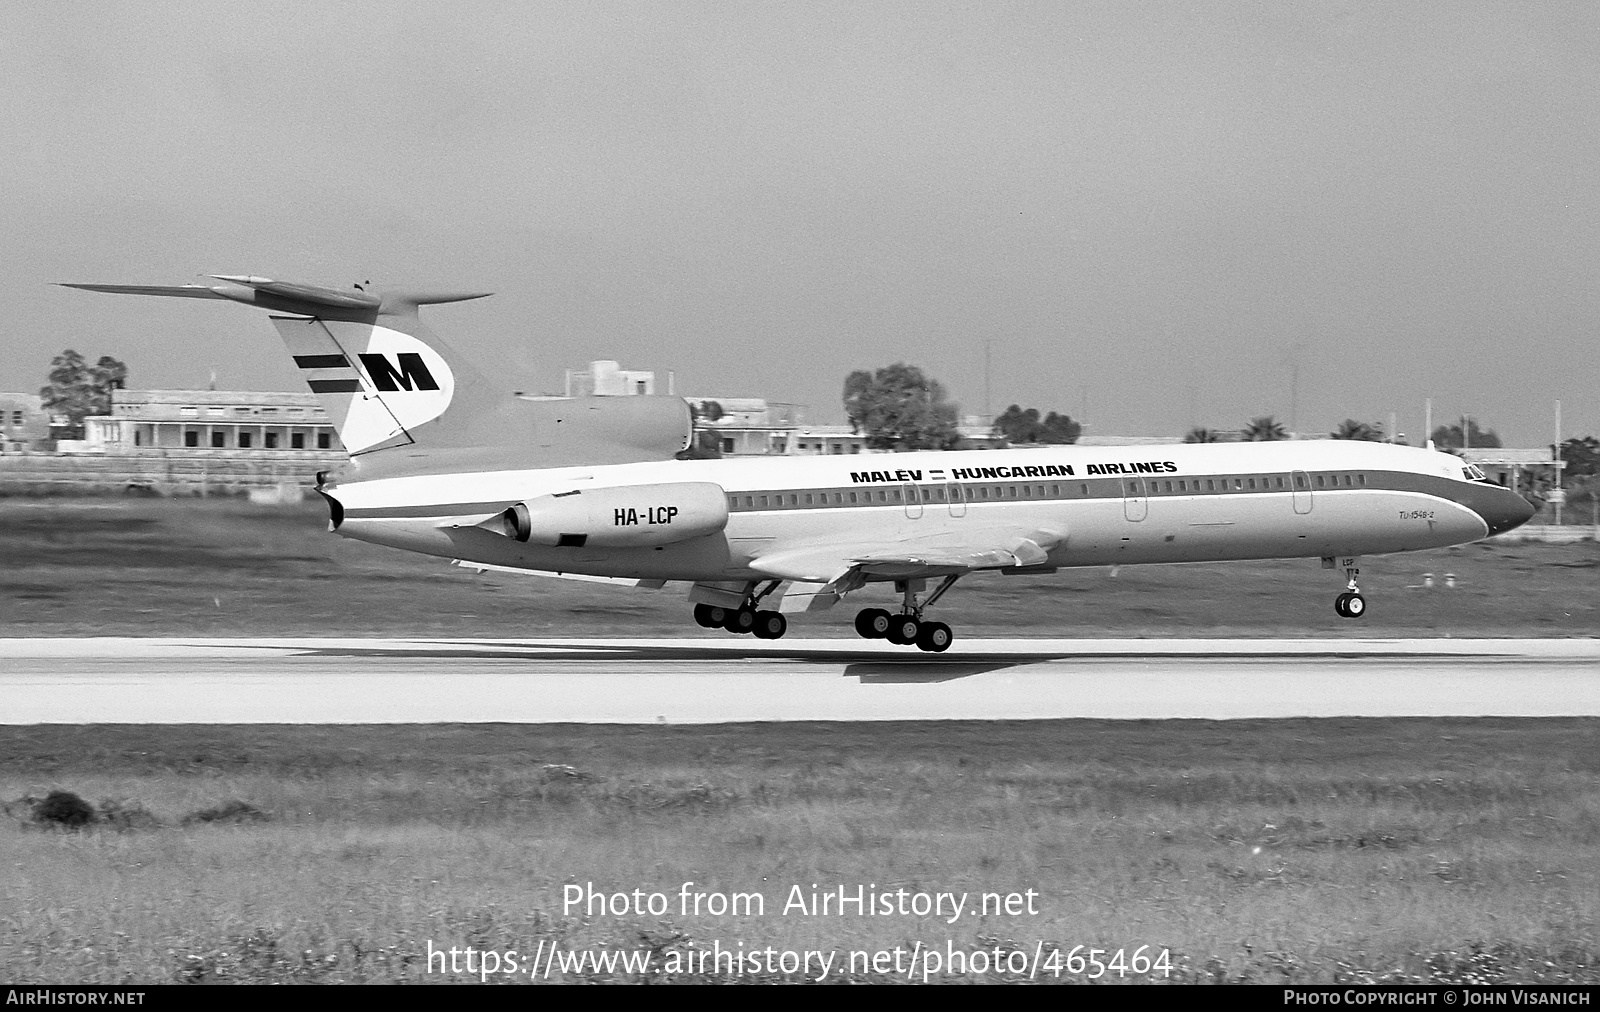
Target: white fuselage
<point>1088,505</point>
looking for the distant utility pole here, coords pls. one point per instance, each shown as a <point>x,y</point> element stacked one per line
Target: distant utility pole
<point>1294,396</point>
<point>988,412</point>
<point>1427,422</point>
<point>1561,495</point>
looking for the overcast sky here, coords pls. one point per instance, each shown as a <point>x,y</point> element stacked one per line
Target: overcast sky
<point>1155,215</point>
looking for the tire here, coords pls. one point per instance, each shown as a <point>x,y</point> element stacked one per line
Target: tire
<point>1338,605</point>
<point>903,630</point>
<point>741,621</point>
<point>702,617</point>
<point>718,616</point>
<point>770,625</point>
<point>934,637</point>
<point>872,623</point>
<point>1355,606</point>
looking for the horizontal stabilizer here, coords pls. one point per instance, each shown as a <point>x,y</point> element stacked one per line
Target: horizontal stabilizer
<point>337,298</point>
<point>172,291</point>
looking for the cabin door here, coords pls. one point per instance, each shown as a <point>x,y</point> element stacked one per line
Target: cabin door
<point>1135,499</point>
<point>913,496</point>
<point>1301,483</point>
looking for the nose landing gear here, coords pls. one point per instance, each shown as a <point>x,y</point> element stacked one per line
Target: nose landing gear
<point>1350,604</point>
<point>908,627</point>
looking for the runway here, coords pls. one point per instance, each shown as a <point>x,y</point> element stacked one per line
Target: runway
<point>359,681</point>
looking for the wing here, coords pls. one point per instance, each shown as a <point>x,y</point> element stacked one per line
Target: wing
<point>847,567</point>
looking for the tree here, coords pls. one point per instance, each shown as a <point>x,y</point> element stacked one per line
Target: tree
<point>1448,437</point>
<point>1264,429</point>
<point>1201,434</point>
<point>899,408</point>
<point>1019,426</point>
<point>1352,429</point>
<point>1582,455</point>
<point>77,389</point>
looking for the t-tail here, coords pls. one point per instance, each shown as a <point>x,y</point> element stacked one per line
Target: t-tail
<point>404,403</point>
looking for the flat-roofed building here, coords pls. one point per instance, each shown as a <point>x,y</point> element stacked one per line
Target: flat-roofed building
<point>1520,470</point>
<point>24,424</point>
<point>154,421</point>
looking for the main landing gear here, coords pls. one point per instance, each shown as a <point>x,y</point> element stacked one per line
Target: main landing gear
<point>908,627</point>
<point>1350,604</point>
<point>763,625</point>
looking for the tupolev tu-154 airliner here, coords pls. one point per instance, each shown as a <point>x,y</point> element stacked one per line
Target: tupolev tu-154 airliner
<point>449,462</point>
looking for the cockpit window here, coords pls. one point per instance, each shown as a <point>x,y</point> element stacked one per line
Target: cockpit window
<point>1473,473</point>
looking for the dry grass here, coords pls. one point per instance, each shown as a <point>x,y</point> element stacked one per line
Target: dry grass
<point>1303,850</point>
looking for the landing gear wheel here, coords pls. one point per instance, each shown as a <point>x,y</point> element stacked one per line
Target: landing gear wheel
<point>1354,606</point>
<point>934,637</point>
<point>872,623</point>
<point>1338,605</point>
<point>903,630</point>
<point>741,621</point>
<point>770,625</point>
<point>718,616</point>
<point>704,617</point>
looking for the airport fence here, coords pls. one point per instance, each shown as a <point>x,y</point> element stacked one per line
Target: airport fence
<point>165,472</point>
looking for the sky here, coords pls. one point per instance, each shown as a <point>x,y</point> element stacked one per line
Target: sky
<point>1148,216</point>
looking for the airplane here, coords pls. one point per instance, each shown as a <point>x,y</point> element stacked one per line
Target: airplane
<point>449,462</point>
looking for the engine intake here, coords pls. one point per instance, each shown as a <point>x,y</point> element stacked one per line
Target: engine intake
<point>627,516</point>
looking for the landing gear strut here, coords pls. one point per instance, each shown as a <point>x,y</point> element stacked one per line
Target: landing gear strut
<point>764,625</point>
<point>908,627</point>
<point>1350,604</point>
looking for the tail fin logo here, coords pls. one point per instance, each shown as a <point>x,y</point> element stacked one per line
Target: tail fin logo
<point>376,383</point>
<point>411,374</point>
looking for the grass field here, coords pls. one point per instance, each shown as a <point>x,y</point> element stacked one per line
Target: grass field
<point>224,567</point>
<point>1267,851</point>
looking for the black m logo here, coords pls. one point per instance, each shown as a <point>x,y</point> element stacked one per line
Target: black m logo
<point>412,374</point>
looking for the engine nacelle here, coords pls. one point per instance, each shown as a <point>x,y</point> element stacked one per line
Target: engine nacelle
<point>627,516</point>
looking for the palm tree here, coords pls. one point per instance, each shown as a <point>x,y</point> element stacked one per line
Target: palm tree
<point>1264,429</point>
<point>1352,429</point>
<point>1201,434</point>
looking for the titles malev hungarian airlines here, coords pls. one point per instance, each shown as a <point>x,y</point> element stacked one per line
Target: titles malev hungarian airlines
<point>453,463</point>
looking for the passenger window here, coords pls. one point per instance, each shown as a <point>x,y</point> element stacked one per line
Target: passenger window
<point>1211,485</point>
<point>1361,478</point>
<point>1013,491</point>
<point>808,498</point>
<point>794,500</point>
<point>1252,484</point>
<point>1055,489</point>
<point>763,500</point>
<point>1280,482</point>
<point>1320,482</point>
<point>733,502</point>
<point>895,495</point>
<point>1238,483</point>
<point>1347,481</point>
<point>1169,486</point>
<point>852,497</point>
<point>749,501</point>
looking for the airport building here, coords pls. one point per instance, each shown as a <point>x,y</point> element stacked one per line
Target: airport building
<point>1520,470</point>
<point>155,421</point>
<point>24,424</point>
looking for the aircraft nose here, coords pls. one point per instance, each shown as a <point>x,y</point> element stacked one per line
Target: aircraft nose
<point>1505,511</point>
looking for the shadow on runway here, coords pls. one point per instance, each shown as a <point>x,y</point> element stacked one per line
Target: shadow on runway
<point>899,672</point>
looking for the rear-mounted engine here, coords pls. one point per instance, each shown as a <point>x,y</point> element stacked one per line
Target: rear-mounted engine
<point>631,516</point>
